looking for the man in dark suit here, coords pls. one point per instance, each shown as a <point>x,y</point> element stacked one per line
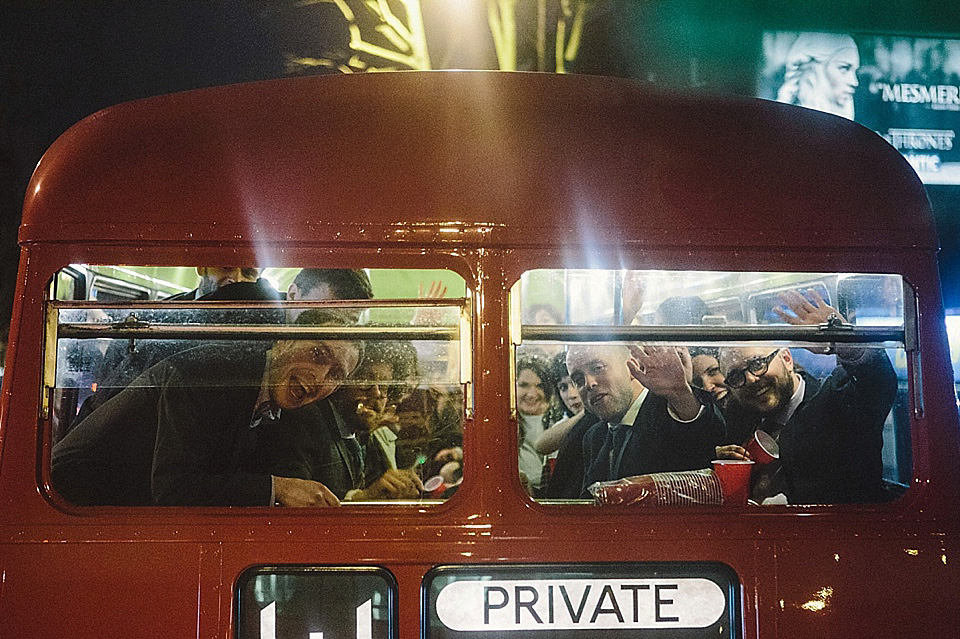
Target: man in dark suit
<point>316,442</point>
<point>649,418</point>
<point>313,442</point>
<point>830,433</point>
<point>182,432</point>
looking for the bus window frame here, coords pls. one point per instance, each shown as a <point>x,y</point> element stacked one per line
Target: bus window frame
<point>831,334</point>
<point>460,331</point>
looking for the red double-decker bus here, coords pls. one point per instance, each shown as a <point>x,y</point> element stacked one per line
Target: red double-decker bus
<point>192,450</point>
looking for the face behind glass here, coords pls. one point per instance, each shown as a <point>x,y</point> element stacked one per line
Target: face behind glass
<point>706,371</point>
<point>570,395</point>
<point>765,393</point>
<point>369,387</point>
<point>214,277</point>
<point>603,380</point>
<point>531,398</point>
<point>305,371</point>
<point>319,293</point>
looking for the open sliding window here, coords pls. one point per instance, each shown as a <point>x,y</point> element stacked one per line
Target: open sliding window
<point>351,386</point>
<point>654,388</point>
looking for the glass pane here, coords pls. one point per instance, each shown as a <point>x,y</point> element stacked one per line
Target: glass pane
<point>312,603</point>
<point>788,361</point>
<point>308,405</point>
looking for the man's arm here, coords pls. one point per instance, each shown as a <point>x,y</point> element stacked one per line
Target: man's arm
<point>869,383</point>
<point>201,434</point>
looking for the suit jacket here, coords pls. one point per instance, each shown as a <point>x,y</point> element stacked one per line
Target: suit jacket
<point>655,443</point>
<point>178,435</point>
<point>830,449</point>
<point>312,442</point>
<point>566,481</point>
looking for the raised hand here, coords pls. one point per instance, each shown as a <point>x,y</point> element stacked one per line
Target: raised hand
<point>805,311</point>
<point>666,371</point>
<point>430,316</point>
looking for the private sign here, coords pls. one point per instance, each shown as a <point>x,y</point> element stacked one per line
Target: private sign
<point>579,604</point>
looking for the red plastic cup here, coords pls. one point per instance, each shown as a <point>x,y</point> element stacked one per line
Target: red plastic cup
<point>434,487</point>
<point>763,448</point>
<point>734,476</point>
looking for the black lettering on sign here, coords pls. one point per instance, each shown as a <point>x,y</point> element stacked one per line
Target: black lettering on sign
<point>614,609</point>
<point>636,588</point>
<point>488,606</point>
<point>517,592</point>
<point>666,602</point>
<point>550,603</point>
<point>583,602</point>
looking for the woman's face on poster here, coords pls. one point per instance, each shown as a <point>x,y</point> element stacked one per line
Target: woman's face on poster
<point>841,74</point>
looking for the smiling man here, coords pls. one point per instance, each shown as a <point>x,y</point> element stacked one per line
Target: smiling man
<point>830,432</point>
<point>182,432</point>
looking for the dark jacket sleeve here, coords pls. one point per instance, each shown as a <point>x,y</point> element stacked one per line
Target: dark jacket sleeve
<point>832,447</point>
<point>865,385</point>
<point>203,435</point>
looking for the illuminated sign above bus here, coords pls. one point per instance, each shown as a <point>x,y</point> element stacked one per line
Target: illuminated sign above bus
<point>905,89</point>
<point>664,600</point>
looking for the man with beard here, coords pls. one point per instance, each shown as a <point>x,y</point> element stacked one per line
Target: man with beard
<point>830,433</point>
<point>649,419</point>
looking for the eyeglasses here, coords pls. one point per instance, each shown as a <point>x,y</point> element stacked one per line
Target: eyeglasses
<point>756,366</point>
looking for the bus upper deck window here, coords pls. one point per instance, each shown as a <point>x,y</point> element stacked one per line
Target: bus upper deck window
<point>697,387</point>
<point>345,388</point>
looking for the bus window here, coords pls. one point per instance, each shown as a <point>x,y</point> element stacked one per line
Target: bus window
<point>348,387</point>
<point>649,386</point>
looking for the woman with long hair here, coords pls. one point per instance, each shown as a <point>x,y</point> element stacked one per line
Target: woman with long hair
<point>821,73</point>
<point>535,397</point>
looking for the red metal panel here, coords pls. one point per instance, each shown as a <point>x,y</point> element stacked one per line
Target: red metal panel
<point>101,590</point>
<point>508,158</point>
<point>869,587</point>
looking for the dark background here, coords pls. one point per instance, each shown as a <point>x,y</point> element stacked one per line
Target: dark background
<point>63,60</point>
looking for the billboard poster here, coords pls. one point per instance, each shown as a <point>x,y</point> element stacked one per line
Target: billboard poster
<point>905,89</point>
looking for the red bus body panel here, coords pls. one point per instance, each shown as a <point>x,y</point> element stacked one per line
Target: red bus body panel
<point>486,174</point>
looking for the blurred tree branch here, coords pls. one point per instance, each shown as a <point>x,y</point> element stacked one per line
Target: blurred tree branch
<point>387,35</point>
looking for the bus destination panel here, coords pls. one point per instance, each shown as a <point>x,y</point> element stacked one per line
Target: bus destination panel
<point>560,601</point>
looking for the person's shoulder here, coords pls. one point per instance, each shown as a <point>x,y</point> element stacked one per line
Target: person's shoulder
<point>179,297</point>
<point>580,428</point>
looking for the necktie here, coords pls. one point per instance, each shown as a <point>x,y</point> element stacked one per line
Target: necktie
<point>358,455</point>
<point>616,438</point>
